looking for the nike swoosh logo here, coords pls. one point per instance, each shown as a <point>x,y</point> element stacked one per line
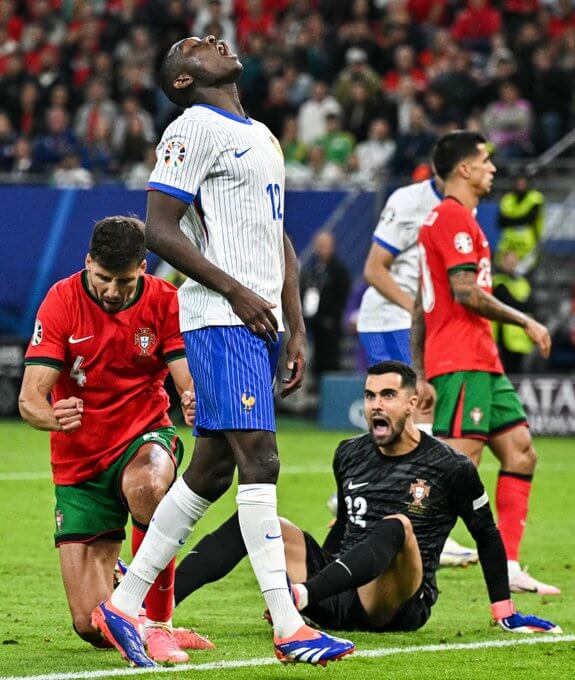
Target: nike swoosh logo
<point>73,341</point>
<point>167,589</point>
<point>351,485</point>
<point>182,541</point>
<point>239,154</point>
<point>270,538</point>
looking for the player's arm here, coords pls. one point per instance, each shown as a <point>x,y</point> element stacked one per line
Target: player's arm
<point>64,416</point>
<point>472,505</point>
<point>376,273</point>
<point>465,290</point>
<point>291,304</point>
<point>184,385</point>
<point>164,237</point>
<point>425,390</point>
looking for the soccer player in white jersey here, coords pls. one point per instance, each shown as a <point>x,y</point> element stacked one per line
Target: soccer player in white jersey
<point>384,319</point>
<point>215,213</point>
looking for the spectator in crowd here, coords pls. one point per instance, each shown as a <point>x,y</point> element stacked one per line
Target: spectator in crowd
<point>549,88</point>
<point>374,155</point>
<point>139,49</point>
<point>336,143</point>
<point>475,24</point>
<point>324,287</point>
<point>439,115</point>
<point>23,164</point>
<point>357,69</point>
<point>71,175</point>
<point>58,141</point>
<point>507,123</point>
<point>28,112</point>
<point>12,81</point>
<point>131,108</point>
<point>294,150</point>
<point>404,65</point>
<point>98,155</point>
<point>7,141</point>
<point>277,107</point>
<point>415,145</point>
<point>318,170</point>
<point>138,175</point>
<point>214,12</point>
<point>521,221</point>
<point>359,111</point>
<point>97,105</point>
<point>311,119</point>
<point>512,289</point>
<point>298,85</point>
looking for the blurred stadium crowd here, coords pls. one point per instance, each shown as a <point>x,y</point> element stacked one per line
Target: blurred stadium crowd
<point>354,89</point>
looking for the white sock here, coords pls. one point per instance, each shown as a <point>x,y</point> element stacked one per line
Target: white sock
<point>260,527</point>
<point>513,569</point>
<point>303,595</point>
<point>425,427</point>
<point>171,525</point>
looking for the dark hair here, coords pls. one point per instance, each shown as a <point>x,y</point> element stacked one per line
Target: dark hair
<point>171,68</point>
<point>117,242</point>
<point>408,376</point>
<point>452,148</point>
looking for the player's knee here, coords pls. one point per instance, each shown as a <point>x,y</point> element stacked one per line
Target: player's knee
<point>525,456</point>
<point>261,468</point>
<point>144,498</point>
<point>406,522</point>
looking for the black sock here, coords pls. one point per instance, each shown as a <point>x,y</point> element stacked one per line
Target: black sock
<point>361,564</point>
<point>211,559</point>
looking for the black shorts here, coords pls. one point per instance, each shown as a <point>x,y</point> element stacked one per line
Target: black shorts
<point>344,611</point>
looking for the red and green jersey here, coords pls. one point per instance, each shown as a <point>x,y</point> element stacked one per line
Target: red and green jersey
<point>116,363</point>
<point>456,339</point>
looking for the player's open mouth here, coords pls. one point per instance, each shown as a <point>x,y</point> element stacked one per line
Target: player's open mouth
<point>381,426</point>
<point>224,50</point>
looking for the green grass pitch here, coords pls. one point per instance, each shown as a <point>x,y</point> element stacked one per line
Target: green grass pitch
<point>36,636</point>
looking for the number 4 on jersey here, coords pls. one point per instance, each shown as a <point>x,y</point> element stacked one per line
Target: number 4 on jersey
<point>77,373</point>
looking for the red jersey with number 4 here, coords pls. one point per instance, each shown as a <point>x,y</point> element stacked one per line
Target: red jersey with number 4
<point>116,363</point>
<point>456,339</point>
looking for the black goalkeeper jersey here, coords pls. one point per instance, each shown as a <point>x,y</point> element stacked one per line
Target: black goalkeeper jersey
<point>433,485</point>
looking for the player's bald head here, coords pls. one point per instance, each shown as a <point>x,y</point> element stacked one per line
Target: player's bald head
<point>173,65</point>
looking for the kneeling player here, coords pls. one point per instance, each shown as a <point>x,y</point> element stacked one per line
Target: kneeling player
<point>102,346</point>
<point>400,492</point>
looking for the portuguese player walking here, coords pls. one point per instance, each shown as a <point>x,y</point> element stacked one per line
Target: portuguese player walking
<point>400,492</point>
<point>103,343</point>
<point>215,213</point>
<point>453,345</point>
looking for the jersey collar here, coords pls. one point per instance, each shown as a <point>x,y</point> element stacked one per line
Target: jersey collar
<point>137,296</point>
<point>435,188</point>
<point>226,114</point>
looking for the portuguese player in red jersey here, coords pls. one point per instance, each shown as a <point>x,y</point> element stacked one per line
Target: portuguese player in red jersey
<point>103,343</point>
<point>453,346</point>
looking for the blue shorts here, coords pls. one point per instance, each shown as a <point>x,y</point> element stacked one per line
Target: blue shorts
<point>233,373</point>
<point>385,346</point>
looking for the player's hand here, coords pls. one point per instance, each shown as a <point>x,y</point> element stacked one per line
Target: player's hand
<point>68,413</point>
<point>527,623</point>
<point>254,311</point>
<point>425,396</point>
<point>295,363</point>
<point>188,403</point>
<point>540,336</point>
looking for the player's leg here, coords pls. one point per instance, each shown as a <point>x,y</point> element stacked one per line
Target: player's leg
<point>510,441</point>
<point>87,570</point>
<point>460,420</point>
<point>144,482</point>
<point>385,568</point>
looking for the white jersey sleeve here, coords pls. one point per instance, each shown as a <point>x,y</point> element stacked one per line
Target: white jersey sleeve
<point>395,230</point>
<point>184,157</point>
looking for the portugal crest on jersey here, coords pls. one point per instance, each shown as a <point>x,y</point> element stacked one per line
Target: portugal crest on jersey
<point>144,339</point>
<point>420,491</point>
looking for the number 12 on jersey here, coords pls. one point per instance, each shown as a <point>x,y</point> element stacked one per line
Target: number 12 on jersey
<point>275,194</point>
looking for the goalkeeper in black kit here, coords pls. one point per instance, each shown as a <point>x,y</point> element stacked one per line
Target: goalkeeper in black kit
<point>400,492</point>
